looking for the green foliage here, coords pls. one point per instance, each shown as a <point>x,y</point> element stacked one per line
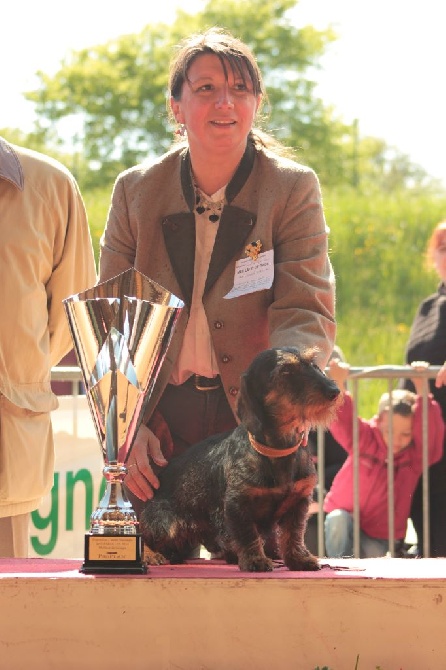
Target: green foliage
<point>97,202</point>
<point>107,103</point>
<point>113,96</point>
<point>378,241</point>
<point>378,246</point>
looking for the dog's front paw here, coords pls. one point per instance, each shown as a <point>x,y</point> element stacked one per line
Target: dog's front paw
<point>230,557</point>
<point>153,557</point>
<point>302,561</point>
<point>255,564</point>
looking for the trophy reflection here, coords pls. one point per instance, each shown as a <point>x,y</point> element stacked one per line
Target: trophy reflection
<point>121,330</point>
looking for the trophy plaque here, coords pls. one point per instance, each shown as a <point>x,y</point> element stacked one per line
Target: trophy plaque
<point>121,330</point>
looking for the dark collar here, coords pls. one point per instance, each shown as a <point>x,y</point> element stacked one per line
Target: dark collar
<point>235,228</point>
<point>235,185</point>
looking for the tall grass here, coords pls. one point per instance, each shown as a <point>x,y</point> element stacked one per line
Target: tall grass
<point>97,202</point>
<point>377,245</point>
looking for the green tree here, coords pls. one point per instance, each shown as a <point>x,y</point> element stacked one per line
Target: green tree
<point>113,96</point>
<point>105,109</point>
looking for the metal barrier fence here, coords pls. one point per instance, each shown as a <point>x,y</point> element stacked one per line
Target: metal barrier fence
<point>393,374</point>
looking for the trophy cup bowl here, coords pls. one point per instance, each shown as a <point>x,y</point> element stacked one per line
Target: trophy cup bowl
<point>121,330</point>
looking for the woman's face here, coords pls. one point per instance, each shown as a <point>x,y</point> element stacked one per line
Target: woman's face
<point>218,112</point>
<point>439,256</point>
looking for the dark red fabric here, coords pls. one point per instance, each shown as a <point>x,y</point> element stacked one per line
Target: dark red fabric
<point>193,569</point>
<point>385,568</point>
<point>159,427</point>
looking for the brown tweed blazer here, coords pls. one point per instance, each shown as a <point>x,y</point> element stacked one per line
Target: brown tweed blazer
<point>151,226</point>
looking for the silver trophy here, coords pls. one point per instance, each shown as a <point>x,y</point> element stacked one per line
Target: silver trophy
<point>121,330</point>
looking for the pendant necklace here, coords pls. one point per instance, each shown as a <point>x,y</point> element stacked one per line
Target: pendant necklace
<point>203,204</point>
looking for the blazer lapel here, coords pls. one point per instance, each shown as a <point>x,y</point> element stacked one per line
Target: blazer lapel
<point>234,227</point>
<point>235,223</point>
<point>179,238</point>
<point>179,234</point>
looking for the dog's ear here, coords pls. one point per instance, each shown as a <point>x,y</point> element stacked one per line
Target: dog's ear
<point>249,407</point>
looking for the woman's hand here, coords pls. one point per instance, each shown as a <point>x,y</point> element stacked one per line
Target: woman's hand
<point>440,379</point>
<point>419,382</point>
<point>141,480</point>
<point>339,372</point>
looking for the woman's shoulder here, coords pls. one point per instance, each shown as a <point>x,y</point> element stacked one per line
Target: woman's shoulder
<point>287,180</point>
<point>285,173</point>
<point>153,165</point>
<point>272,160</point>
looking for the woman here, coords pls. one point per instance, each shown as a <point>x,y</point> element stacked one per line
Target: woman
<point>427,342</point>
<point>232,227</point>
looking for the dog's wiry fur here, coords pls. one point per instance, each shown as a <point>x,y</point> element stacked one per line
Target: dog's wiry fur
<point>225,495</point>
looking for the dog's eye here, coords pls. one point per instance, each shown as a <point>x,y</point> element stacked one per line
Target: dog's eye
<point>318,368</point>
<point>287,369</point>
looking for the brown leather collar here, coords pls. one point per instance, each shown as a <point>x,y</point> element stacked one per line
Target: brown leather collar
<point>270,452</point>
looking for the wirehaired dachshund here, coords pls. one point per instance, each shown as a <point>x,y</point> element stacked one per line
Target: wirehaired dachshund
<point>236,491</point>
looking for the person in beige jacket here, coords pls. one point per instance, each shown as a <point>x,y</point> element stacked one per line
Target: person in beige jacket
<point>235,229</point>
<point>46,255</point>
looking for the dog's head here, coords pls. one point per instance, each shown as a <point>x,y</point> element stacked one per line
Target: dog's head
<point>283,392</point>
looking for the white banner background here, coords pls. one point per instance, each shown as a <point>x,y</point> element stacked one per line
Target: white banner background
<point>58,527</point>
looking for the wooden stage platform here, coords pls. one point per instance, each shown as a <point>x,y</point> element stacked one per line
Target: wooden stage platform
<point>388,613</point>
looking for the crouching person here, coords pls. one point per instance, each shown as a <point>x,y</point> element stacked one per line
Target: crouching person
<point>404,424</point>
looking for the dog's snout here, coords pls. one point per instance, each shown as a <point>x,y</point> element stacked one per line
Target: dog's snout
<point>333,393</point>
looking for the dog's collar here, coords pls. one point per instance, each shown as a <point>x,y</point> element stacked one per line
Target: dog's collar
<point>270,452</point>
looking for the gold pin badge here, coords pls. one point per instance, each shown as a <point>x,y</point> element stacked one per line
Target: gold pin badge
<point>252,250</point>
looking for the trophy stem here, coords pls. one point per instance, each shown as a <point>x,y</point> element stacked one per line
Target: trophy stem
<point>114,514</point>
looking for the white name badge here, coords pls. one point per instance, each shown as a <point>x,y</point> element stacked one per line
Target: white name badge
<point>253,275</point>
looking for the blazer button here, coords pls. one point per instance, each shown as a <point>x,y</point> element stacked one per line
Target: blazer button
<point>218,325</point>
<point>233,390</point>
<point>225,358</point>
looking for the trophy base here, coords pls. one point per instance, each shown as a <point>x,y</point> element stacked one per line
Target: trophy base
<point>113,554</point>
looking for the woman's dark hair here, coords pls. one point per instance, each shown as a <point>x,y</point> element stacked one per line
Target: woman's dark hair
<point>233,54</point>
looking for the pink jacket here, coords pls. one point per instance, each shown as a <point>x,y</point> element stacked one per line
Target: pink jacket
<point>373,468</point>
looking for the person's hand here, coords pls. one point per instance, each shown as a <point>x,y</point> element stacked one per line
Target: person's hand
<point>419,382</point>
<point>440,379</point>
<point>141,480</point>
<point>339,372</point>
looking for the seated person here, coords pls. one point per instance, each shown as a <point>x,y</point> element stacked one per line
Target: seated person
<point>405,422</point>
